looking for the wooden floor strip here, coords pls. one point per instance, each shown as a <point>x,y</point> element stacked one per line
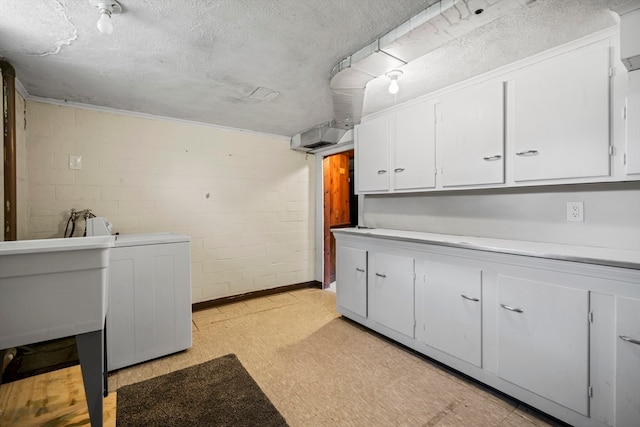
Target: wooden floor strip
<point>53,399</point>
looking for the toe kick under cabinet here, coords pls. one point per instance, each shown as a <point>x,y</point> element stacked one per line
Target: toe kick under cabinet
<point>149,311</point>
<point>554,326</point>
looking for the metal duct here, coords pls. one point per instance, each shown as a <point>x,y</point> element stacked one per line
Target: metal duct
<point>434,27</point>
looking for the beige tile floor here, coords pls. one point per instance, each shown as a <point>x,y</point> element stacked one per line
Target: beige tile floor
<point>319,369</point>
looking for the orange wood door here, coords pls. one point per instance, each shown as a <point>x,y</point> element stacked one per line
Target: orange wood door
<point>336,206</point>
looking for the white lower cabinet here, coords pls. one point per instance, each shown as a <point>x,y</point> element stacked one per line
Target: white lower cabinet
<point>391,279</point>
<point>449,309</point>
<point>149,311</point>
<point>543,340</point>
<point>627,396</point>
<point>351,279</point>
<point>561,336</point>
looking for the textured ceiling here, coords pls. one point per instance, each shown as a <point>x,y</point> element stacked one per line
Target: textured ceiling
<point>200,60</point>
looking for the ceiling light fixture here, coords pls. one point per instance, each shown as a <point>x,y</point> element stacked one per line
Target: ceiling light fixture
<point>106,8</point>
<point>394,75</point>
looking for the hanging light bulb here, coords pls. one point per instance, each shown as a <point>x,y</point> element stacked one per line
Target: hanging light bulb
<point>106,8</point>
<point>394,75</point>
<point>394,87</point>
<point>104,23</point>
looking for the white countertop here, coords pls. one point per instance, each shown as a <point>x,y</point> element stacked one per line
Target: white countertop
<point>585,254</point>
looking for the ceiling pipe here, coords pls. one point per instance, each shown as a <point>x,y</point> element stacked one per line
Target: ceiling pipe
<point>432,28</point>
<point>9,125</point>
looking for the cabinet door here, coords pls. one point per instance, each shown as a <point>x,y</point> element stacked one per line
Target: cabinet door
<point>372,154</point>
<point>627,361</point>
<point>351,279</point>
<point>470,136</point>
<point>149,312</point>
<point>391,281</point>
<point>449,309</point>
<point>414,165</point>
<point>632,155</point>
<point>543,340</point>
<point>561,116</point>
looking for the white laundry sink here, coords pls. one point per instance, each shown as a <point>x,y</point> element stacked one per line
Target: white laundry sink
<point>52,288</point>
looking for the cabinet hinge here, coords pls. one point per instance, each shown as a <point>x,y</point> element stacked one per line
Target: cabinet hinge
<point>611,71</point>
<point>590,391</point>
<point>591,317</point>
<point>611,150</point>
<point>414,323</point>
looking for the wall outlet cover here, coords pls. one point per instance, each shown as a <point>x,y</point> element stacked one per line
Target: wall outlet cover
<point>575,211</point>
<point>75,162</point>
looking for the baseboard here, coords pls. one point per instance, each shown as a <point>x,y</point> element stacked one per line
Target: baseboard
<point>255,294</point>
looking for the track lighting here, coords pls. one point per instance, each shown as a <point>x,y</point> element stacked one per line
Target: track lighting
<point>106,8</point>
<point>394,75</point>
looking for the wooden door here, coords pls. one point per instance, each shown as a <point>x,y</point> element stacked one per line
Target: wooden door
<point>337,211</point>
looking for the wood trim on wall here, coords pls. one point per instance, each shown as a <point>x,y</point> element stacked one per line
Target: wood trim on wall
<point>249,295</point>
<point>9,148</point>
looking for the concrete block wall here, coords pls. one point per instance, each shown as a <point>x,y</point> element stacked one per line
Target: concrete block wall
<point>245,199</point>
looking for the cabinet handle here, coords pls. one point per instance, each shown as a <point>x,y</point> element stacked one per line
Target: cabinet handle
<point>381,275</point>
<point>469,298</point>
<point>516,309</point>
<point>527,153</point>
<point>398,170</point>
<point>381,171</point>
<point>490,158</point>
<point>361,270</point>
<point>629,339</point>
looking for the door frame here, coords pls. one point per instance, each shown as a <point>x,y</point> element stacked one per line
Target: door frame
<point>319,223</point>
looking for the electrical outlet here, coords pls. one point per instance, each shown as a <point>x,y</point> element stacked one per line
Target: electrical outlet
<point>75,162</point>
<point>575,211</point>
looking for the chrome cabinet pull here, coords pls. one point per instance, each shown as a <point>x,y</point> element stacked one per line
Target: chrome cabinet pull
<point>381,275</point>
<point>490,158</point>
<point>527,153</point>
<point>629,339</point>
<point>398,170</point>
<point>516,309</point>
<point>361,270</point>
<point>469,298</point>
<point>381,171</point>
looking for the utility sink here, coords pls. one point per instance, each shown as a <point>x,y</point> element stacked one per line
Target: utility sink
<point>52,288</point>
<point>55,288</point>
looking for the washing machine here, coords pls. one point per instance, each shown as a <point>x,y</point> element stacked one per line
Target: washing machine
<point>149,295</point>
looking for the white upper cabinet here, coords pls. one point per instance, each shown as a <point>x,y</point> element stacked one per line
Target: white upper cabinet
<point>414,160</point>
<point>470,136</point>
<point>632,153</point>
<point>397,151</point>
<point>561,116</point>
<point>372,154</point>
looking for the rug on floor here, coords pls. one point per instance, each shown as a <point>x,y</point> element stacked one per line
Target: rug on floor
<point>219,392</point>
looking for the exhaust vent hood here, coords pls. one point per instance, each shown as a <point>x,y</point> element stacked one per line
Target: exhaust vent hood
<point>630,34</point>
<point>317,137</point>
<point>432,28</point>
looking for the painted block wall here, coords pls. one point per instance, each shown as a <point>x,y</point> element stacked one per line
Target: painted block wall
<point>244,198</point>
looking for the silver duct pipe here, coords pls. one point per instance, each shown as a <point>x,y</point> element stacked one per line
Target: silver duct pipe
<point>434,27</point>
